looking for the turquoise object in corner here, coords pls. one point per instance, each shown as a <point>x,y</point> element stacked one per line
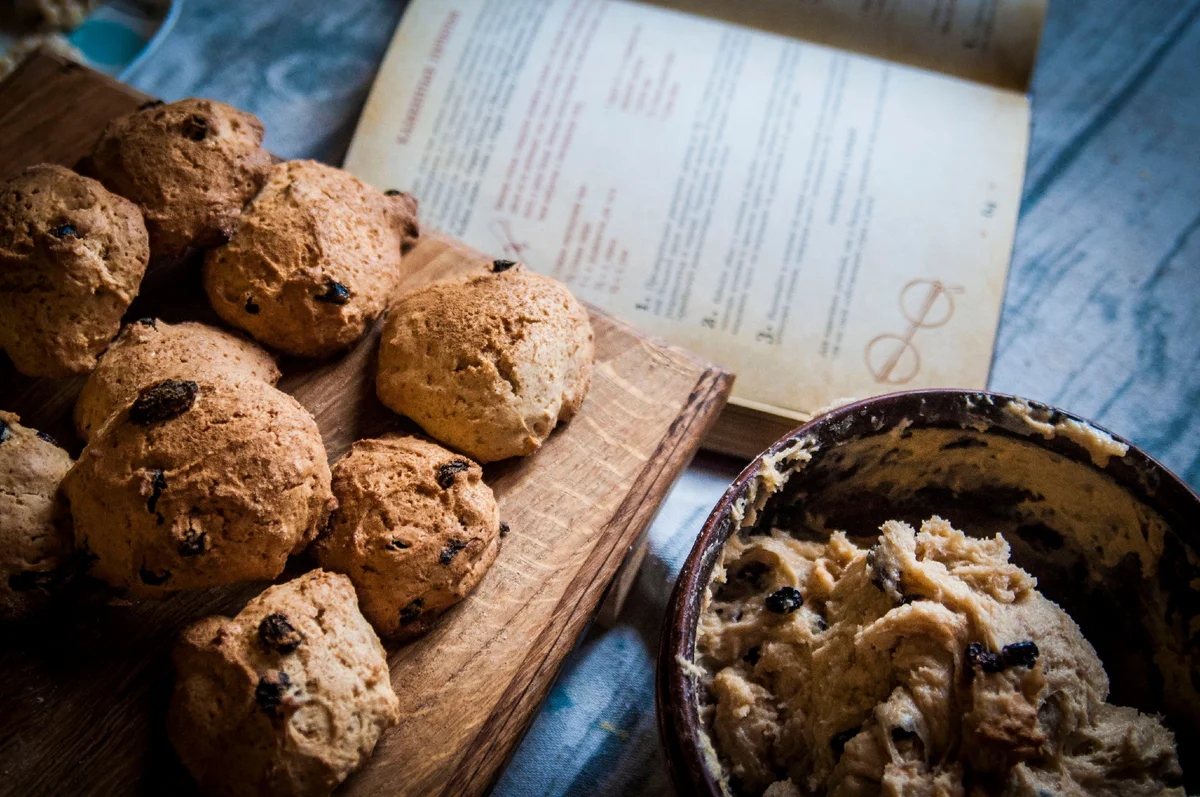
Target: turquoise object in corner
<point>107,45</point>
<point>121,33</point>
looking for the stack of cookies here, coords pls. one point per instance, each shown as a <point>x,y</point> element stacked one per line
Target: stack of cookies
<point>199,473</point>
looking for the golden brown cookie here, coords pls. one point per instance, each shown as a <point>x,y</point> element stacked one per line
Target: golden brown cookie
<point>487,364</point>
<point>416,529</point>
<point>287,698</point>
<point>190,165</point>
<point>198,483</point>
<point>149,350</point>
<point>72,256</point>
<point>35,535</point>
<point>314,260</point>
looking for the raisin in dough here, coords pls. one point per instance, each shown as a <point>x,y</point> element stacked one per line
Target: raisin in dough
<point>150,350</point>
<point>198,483</point>
<point>416,529</point>
<point>920,666</point>
<point>72,256</point>
<point>35,535</point>
<point>313,261</point>
<point>287,698</point>
<point>190,165</point>
<point>489,363</point>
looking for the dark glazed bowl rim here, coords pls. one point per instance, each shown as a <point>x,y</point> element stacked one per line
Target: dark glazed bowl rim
<point>679,725</point>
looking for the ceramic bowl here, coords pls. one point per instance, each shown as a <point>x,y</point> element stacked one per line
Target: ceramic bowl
<point>954,453</point>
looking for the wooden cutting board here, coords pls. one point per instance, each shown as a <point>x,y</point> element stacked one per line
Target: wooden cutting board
<point>83,690</point>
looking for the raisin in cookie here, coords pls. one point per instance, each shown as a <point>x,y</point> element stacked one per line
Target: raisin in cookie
<point>487,364</point>
<point>72,256</point>
<point>190,165</point>
<point>287,698</point>
<point>150,350</point>
<point>314,260</point>
<point>35,536</point>
<point>198,483</point>
<point>416,528</point>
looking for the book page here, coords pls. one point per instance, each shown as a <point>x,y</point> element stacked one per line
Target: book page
<point>990,41</point>
<point>825,224</point>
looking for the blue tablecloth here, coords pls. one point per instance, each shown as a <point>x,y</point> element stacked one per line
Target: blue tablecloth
<point>596,735</point>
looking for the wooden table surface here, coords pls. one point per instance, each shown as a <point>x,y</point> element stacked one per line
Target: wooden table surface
<point>1102,314</point>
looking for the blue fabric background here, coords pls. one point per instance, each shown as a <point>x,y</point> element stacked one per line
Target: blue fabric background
<point>597,734</point>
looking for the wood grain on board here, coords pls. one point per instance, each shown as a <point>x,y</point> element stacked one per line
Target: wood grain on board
<point>84,689</point>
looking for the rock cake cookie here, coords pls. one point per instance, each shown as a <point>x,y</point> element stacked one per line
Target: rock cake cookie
<point>487,364</point>
<point>416,528</point>
<point>72,256</point>
<point>190,165</point>
<point>35,536</point>
<point>150,350</point>
<point>925,664</point>
<point>287,698</point>
<point>198,483</point>
<point>314,260</point>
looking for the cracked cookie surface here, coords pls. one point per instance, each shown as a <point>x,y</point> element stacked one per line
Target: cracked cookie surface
<point>487,363</point>
<point>189,165</point>
<point>199,483</point>
<point>150,350</point>
<point>314,260</point>
<point>416,529</point>
<point>287,698</point>
<point>72,257</point>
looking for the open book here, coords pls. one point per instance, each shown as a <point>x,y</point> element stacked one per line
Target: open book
<point>820,195</point>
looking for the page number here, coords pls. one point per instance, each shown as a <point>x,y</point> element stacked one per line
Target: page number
<point>988,210</point>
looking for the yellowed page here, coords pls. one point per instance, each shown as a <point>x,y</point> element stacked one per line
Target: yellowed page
<point>991,41</point>
<point>825,224</point>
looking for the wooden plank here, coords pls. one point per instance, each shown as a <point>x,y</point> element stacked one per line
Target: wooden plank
<point>1102,315</point>
<point>84,689</point>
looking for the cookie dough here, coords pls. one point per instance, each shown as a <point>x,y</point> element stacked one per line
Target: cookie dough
<point>72,256</point>
<point>926,664</point>
<point>190,165</point>
<point>287,698</point>
<point>35,535</point>
<point>488,363</point>
<point>314,260</point>
<point>199,483</point>
<point>416,529</point>
<point>150,350</point>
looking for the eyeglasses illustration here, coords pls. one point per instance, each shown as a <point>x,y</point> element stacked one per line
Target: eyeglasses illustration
<point>926,304</point>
